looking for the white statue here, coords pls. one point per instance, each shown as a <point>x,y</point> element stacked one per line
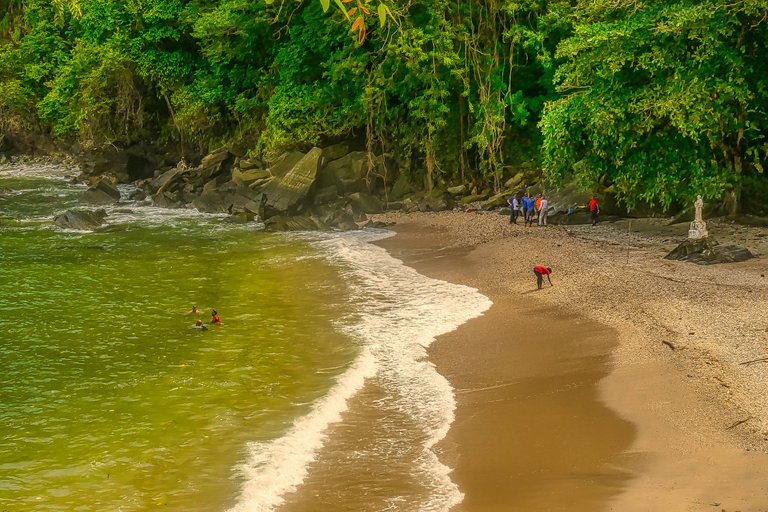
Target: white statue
<point>698,229</point>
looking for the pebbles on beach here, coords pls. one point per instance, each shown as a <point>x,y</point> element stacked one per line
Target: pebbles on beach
<point>710,321</point>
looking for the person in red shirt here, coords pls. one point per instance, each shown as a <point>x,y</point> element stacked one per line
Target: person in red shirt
<point>540,272</point>
<point>215,317</point>
<point>594,209</point>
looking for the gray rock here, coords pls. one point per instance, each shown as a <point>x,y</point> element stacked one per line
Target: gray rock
<point>133,163</point>
<point>515,181</point>
<point>458,190</point>
<point>377,224</point>
<point>168,178</point>
<point>326,195</point>
<point>215,163</point>
<point>167,200</point>
<point>706,251</point>
<point>82,220</point>
<point>336,216</point>
<point>401,187</point>
<point>214,201</point>
<point>294,223</point>
<point>496,201</point>
<point>366,203</point>
<point>284,163</point>
<point>103,192</point>
<point>348,172</point>
<point>247,164</point>
<point>285,194</point>
<point>473,198</point>
<point>250,176</point>
<point>335,151</point>
<point>137,195</point>
<point>241,218</point>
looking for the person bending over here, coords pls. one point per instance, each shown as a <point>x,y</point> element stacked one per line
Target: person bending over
<point>540,272</point>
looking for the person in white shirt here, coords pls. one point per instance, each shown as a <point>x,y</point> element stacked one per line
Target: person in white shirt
<point>543,211</point>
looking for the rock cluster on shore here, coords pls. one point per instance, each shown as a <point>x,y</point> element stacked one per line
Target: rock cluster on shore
<point>330,188</point>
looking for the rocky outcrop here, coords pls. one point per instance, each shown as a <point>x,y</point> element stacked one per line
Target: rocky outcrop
<point>319,190</point>
<point>103,192</point>
<point>81,220</point>
<point>706,251</point>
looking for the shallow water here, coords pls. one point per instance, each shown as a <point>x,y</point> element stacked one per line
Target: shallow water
<point>110,399</point>
<point>316,381</point>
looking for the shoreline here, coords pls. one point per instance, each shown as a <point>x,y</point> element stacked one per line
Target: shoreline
<point>673,402</point>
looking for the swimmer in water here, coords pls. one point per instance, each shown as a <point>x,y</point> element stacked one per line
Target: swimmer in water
<point>199,326</point>
<point>215,317</point>
<point>194,311</point>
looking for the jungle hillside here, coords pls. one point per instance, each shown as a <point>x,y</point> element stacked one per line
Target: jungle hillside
<point>650,101</point>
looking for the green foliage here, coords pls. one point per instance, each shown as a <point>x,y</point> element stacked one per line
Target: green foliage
<point>666,100</point>
<point>659,100</point>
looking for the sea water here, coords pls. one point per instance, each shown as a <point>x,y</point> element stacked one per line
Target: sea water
<point>111,400</point>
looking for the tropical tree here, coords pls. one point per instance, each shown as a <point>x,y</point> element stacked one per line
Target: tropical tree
<point>663,100</point>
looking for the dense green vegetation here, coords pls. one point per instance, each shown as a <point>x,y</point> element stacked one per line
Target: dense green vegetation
<point>656,100</point>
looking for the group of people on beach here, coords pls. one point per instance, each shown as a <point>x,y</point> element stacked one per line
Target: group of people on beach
<point>533,209</point>
<point>536,209</point>
<point>215,318</point>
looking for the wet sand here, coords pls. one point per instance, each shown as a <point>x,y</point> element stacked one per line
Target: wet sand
<point>568,398</point>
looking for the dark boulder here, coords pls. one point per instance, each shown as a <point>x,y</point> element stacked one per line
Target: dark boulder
<point>706,251</point>
<point>213,201</point>
<point>365,202</point>
<point>247,164</point>
<point>216,163</point>
<point>376,224</point>
<point>347,172</point>
<point>103,192</point>
<point>241,218</point>
<point>294,223</point>
<point>229,197</point>
<point>137,195</point>
<point>130,164</point>
<point>167,200</point>
<point>326,195</point>
<point>402,187</point>
<point>574,216</point>
<point>168,179</point>
<point>335,151</point>
<point>250,176</point>
<point>337,216</point>
<point>82,220</point>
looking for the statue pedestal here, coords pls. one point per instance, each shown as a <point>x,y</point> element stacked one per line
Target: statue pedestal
<point>697,231</point>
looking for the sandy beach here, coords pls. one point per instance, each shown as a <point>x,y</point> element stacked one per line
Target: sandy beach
<point>634,383</point>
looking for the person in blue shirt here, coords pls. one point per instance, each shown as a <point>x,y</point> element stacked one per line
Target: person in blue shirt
<point>528,209</point>
<point>514,205</point>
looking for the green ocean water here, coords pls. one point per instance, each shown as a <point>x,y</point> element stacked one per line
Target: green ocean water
<point>109,399</point>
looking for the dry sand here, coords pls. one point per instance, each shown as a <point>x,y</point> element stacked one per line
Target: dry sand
<point>626,386</point>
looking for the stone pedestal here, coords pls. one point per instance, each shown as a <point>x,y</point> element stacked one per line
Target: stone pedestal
<point>697,231</point>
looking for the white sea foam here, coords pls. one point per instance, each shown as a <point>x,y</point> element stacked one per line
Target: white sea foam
<point>36,170</point>
<point>400,314</point>
<point>277,467</point>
